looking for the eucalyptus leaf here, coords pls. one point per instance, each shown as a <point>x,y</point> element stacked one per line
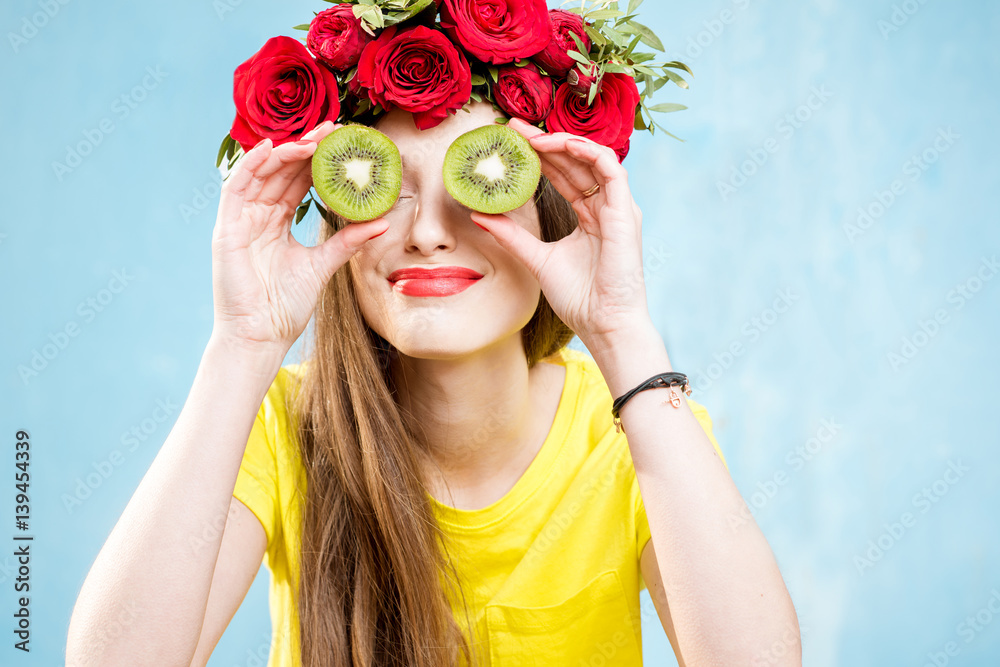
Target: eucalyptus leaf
<point>578,57</point>
<point>649,38</point>
<point>661,129</point>
<point>593,93</point>
<point>631,47</point>
<point>679,65</point>
<point>301,211</point>
<point>676,78</point>
<point>640,122</point>
<point>604,14</point>
<point>595,36</point>
<point>580,46</point>
<point>301,26</point>
<point>222,149</point>
<point>667,108</point>
<point>641,57</point>
<point>633,5</point>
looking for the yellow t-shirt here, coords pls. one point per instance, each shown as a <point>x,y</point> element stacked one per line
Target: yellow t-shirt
<point>550,571</point>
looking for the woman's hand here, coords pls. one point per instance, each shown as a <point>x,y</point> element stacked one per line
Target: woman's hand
<point>593,277</point>
<point>266,284</point>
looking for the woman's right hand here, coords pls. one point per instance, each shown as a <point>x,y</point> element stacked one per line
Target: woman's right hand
<point>266,284</point>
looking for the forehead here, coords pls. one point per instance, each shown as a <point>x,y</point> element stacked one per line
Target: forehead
<point>419,147</point>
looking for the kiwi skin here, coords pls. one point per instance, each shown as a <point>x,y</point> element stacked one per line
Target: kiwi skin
<point>341,194</point>
<point>492,143</point>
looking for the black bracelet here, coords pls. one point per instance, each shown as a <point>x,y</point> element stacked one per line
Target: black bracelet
<point>662,380</point>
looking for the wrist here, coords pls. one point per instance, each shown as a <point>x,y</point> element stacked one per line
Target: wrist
<point>252,362</point>
<point>629,356</point>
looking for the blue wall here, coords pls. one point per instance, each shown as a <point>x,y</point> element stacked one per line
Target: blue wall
<point>848,364</point>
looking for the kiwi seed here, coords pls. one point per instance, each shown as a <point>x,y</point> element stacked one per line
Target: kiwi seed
<point>492,169</point>
<point>357,172</point>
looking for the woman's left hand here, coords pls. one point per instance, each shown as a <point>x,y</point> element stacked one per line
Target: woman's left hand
<point>593,277</point>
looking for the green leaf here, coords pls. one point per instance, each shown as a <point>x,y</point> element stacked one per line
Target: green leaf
<point>632,45</point>
<point>222,150</point>
<point>300,212</point>
<point>676,78</point>
<point>644,69</point>
<point>641,57</point>
<point>494,74</point>
<point>502,120</point>
<point>301,26</point>
<point>579,42</point>
<point>617,69</point>
<point>478,80</point>
<point>660,128</point>
<point>476,96</point>
<point>648,37</point>
<point>679,65</point>
<point>595,37</point>
<point>593,93</point>
<point>521,62</point>
<point>632,6</point>
<point>640,122</point>
<point>578,57</point>
<point>667,108</point>
<point>604,14</point>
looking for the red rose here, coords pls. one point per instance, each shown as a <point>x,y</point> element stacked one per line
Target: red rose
<point>498,31</point>
<point>418,70</point>
<point>523,92</point>
<point>553,57</point>
<point>336,37</point>
<point>608,121</point>
<point>581,83</point>
<point>281,93</point>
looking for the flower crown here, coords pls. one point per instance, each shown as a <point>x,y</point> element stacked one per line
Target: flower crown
<point>572,70</point>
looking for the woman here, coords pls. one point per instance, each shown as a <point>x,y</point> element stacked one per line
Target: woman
<point>441,482</point>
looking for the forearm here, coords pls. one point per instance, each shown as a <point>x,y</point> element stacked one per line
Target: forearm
<point>152,578</point>
<point>728,602</point>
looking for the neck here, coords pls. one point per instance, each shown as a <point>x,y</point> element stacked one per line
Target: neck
<point>484,417</point>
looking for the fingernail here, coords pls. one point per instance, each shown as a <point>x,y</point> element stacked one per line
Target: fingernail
<point>304,142</point>
<point>480,226</point>
<point>579,142</point>
<point>379,234</point>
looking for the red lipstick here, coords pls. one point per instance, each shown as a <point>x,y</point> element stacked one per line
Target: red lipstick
<point>441,281</point>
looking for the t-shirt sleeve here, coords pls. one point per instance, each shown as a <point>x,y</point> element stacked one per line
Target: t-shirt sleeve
<point>257,481</point>
<point>641,521</point>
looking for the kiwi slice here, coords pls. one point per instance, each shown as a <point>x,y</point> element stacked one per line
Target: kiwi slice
<point>357,172</point>
<point>492,169</point>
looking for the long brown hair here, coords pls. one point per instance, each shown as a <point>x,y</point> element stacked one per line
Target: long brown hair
<point>375,572</point>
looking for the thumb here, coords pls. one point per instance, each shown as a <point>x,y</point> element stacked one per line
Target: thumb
<point>515,239</point>
<point>339,248</point>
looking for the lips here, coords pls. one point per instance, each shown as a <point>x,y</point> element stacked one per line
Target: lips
<point>443,281</point>
<point>432,274</point>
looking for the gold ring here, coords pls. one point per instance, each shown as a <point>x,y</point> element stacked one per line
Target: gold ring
<point>593,190</point>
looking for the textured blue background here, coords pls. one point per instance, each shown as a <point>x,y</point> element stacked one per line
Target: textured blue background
<point>717,260</point>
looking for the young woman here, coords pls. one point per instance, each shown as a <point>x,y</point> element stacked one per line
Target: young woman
<point>440,482</point>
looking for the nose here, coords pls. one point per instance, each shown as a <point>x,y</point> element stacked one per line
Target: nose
<point>436,218</point>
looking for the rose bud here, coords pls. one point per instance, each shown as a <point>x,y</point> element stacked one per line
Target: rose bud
<point>554,58</point>
<point>580,83</point>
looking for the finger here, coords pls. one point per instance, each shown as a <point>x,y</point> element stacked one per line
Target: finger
<point>554,147</point>
<point>604,165</point>
<point>333,253</point>
<point>233,195</point>
<point>293,196</point>
<point>515,239</point>
<point>282,166</point>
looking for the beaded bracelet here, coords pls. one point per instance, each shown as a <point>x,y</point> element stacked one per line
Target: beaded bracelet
<point>670,380</point>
